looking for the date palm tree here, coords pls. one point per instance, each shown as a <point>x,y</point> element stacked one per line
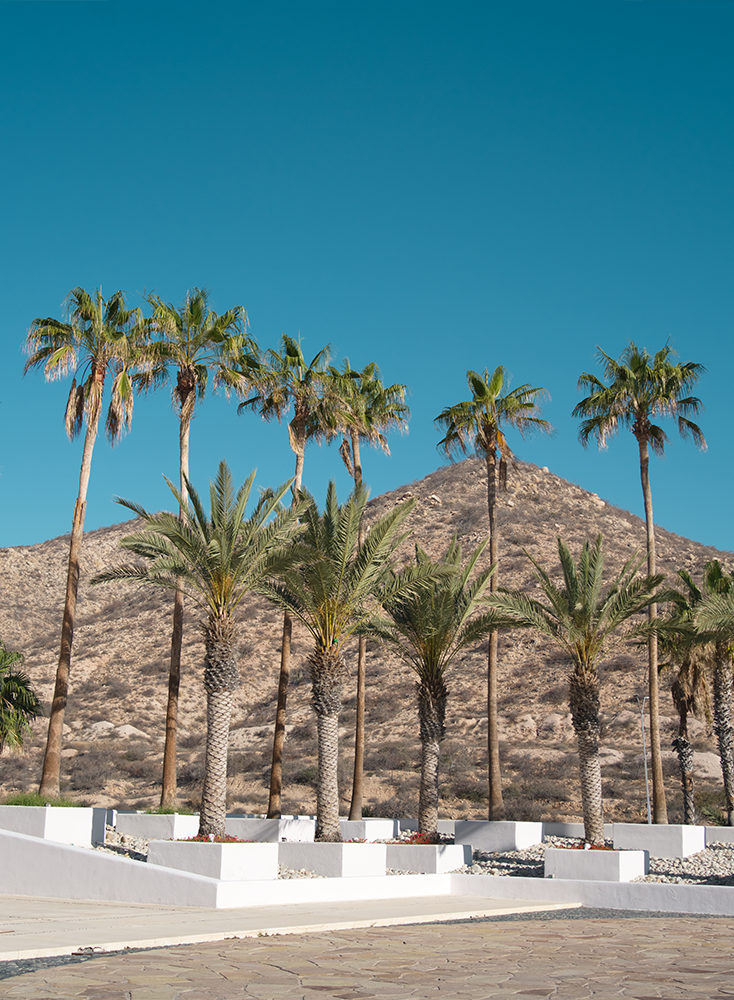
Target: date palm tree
<point>19,704</point>
<point>584,621</point>
<point>217,560</point>
<point>101,338</point>
<point>689,688</point>
<point>284,380</point>
<point>637,390</point>
<point>478,424</point>
<point>329,592</point>
<point>193,341</point>
<point>715,622</point>
<point>365,409</point>
<point>427,628</point>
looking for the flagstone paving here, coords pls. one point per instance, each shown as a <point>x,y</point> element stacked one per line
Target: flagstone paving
<point>568,958</point>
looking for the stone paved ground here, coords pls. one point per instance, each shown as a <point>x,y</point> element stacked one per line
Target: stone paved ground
<point>650,958</point>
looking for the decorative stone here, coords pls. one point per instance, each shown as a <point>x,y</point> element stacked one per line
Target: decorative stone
<point>597,866</point>
<point>335,860</point>
<point>497,836</point>
<point>227,862</point>
<point>430,859</point>
<point>661,840</point>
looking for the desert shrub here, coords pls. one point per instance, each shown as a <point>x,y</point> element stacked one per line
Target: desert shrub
<point>470,791</point>
<point>191,741</point>
<point>34,799</point>
<point>306,776</point>
<point>556,695</point>
<point>191,773</point>
<point>711,806</point>
<point>148,770</point>
<point>91,769</point>
<point>137,751</point>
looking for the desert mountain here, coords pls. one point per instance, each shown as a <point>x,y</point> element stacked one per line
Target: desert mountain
<point>116,709</point>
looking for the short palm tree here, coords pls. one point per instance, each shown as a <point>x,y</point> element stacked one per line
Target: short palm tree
<point>636,390</point>
<point>479,424</point>
<point>19,704</point>
<point>428,628</point>
<point>688,659</point>
<point>584,621</point>
<point>218,560</point>
<point>192,341</point>
<point>363,411</point>
<point>283,381</point>
<point>101,338</point>
<point>715,622</point>
<point>330,593</point>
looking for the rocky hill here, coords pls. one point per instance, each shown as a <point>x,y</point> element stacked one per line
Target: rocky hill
<point>116,710</point>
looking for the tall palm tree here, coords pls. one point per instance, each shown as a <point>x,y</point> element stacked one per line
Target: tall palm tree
<point>636,390</point>
<point>365,409</point>
<point>217,560</point>
<point>715,622</point>
<point>584,621</point>
<point>329,593</point>
<point>19,704</point>
<point>101,338</point>
<point>478,424</point>
<point>689,689</point>
<point>428,628</point>
<point>284,380</point>
<point>194,341</point>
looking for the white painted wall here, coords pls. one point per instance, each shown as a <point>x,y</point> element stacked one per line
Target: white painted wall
<point>65,826</point>
<point>498,836</point>
<point>662,841</point>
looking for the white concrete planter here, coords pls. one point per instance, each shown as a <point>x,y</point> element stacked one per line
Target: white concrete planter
<point>155,826</point>
<point>369,829</point>
<point>447,826</point>
<point>429,859</point>
<point>597,866</point>
<point>227,862</point>
<point>497,836</point>
<point>571,830</point>
<point>720,834</point>
<point>71,825</point>
<point>335,860</point>
<point>661,841</point>
<point>271,830</point>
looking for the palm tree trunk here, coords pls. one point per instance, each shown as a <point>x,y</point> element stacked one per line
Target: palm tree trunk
<point>221,680</point>
<point>51,775</point>
<point>584,705</point>
<point>659,808</point>
<point>496,805</point>
<point>168,790</point>
<point>683,749</point>
<point>298,442</point>
<point>355,808</point>
<point>723,727</point>
<point>432,714</point>
<point>327,681</point>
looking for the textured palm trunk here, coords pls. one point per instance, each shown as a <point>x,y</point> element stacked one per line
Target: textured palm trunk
<point>584,705</point>
<point>168,789</point>
<point>355,807</point>
<point>684,751</point>
<point>723,726</point>
<point>496,804</point>
<point>431,713</point>
<point>51,774</point>
<point>298,443</point>
<point>221,680</point>
<point>327,682</point>
<point>659,807</point>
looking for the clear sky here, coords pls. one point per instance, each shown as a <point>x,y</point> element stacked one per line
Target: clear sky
<point>434,186</point>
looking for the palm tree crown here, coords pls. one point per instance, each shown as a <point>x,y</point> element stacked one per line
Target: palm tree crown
<point>19,704</point>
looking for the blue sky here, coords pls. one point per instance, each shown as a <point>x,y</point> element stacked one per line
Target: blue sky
<point>434,186</point>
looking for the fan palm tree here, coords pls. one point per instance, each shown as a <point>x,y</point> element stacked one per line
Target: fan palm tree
<point>636,390</point>
<point>194,341</point>
<point>368,409</point>
<point>283,381</point>
<point>217,560</point>
<point>584,621</point>
<point>715,622</point>
<point>101,338</point>
<point>19,704</point>
<point>329,593</point>
<point>428,628</point>
<point>478,424</point>
<point>689,690</point>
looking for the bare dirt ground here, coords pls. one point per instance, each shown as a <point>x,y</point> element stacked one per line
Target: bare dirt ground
<point>116,709</point>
